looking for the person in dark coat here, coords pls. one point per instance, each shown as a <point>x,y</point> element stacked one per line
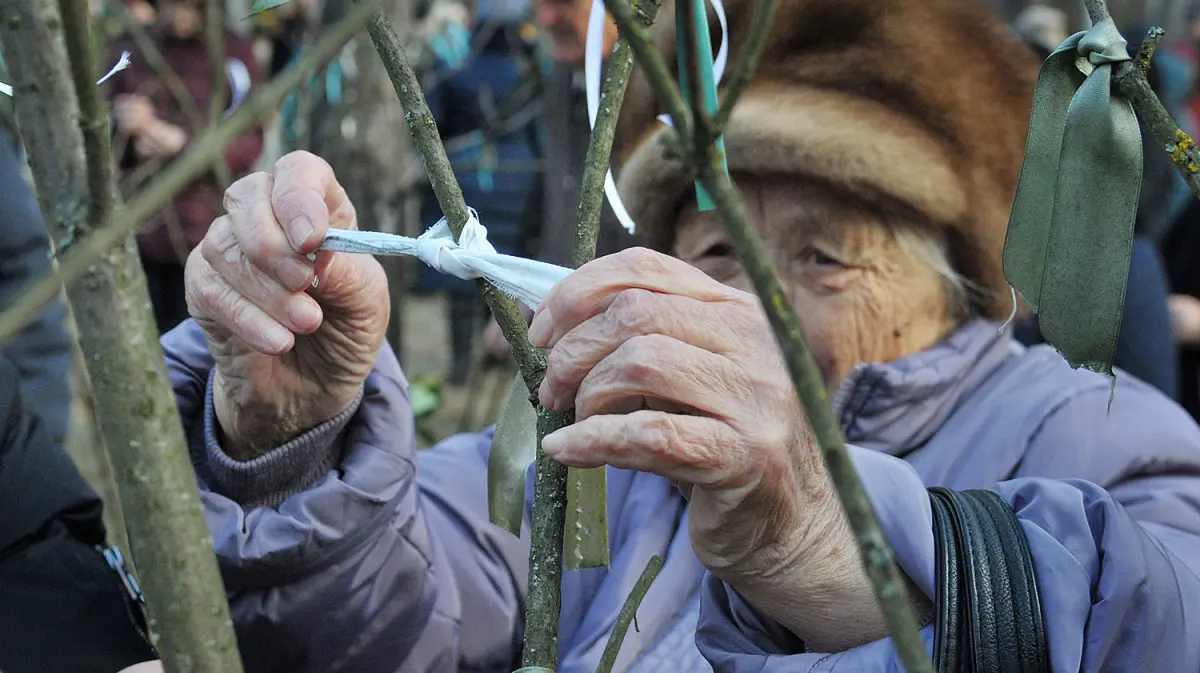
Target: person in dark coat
<point>486,114</point>
<point>40,353</point>
<point>154,127</point>
<point>67,602</point>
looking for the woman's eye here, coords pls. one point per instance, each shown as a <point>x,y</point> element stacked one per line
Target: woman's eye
<point>719,250</point>
<point>819,257</point>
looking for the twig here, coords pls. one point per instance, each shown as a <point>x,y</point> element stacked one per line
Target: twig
<point>75,257</point>
<point>550,483</point>
<point>445,188</point>
<point>655,66</point>
<point>1129,79</point>
<point>747,61</point>
<point>587,489</point>
<point>876,554</point>
<point>135,409</point>
<point>214,38</point>
<point>628,611</point>
<point>599,154</point>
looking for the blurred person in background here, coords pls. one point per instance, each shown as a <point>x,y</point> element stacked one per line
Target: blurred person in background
<point>563,25</point>
<point>154,126</point>
<point>67,600</point>
<point>41,352</point>
<point>487,111</point>
<point>1042,27</point>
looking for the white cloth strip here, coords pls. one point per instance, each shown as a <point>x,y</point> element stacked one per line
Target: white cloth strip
<point>594,60</point>
<point>472,256</point>
<point>121,65</point>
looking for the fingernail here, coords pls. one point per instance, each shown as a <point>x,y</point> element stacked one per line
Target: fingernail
<point>541,329</point>
<point>554,443</point>
<point>299,229</point>
<point>304,313</point>
<point>544,397</point>
<point>294,274</point>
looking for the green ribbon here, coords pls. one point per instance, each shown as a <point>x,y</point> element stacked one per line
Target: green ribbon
<point>707,84</point>
<point>1070,235</point>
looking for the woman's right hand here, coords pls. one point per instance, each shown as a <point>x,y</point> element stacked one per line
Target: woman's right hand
<point>293,339</point>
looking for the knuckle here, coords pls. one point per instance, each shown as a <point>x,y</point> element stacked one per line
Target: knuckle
<point>640,260</point>
<point>219,241</point>
<point>241,193</point>
<point>641,358</point>
<point>631,311</point>
<point>657,436</point>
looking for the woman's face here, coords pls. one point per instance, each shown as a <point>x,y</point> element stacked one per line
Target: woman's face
<point>184,19</point>
<point>863,291</point>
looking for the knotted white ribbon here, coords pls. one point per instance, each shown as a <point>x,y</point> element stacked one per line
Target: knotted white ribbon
<point>471,256</point>
<point>594,59</point>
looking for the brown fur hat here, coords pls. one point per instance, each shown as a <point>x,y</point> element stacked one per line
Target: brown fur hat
<point>917,105</point>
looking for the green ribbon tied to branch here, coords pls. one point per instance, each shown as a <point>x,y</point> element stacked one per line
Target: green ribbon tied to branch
<point>1070,235</point>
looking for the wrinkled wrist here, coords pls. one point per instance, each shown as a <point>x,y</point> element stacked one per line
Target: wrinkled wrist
<point>270,477</point>
<point>249,424</point>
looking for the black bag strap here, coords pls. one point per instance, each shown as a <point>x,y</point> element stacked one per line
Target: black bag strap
<point>989,612</point>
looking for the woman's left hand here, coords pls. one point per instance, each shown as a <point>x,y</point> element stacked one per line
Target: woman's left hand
<point>673,373</point>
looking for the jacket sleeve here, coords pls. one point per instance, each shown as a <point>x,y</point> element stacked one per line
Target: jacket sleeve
<point>41,351</point>
<point>1116,568</point>
<point>363,563</point>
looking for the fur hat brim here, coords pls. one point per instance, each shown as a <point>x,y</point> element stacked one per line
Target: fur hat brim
<point>828,136</point>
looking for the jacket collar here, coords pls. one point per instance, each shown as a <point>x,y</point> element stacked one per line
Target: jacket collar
<point>896,407</point>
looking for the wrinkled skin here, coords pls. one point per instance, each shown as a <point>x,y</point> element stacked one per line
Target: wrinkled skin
<point>669,364</point>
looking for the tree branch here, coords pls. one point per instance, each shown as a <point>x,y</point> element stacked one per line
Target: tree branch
<point>747,61</point>
<point>628,611</point>
<point>652,62</point>
<point>445,188</point>
<point>1129,79</point>
<point>875,553</point>
<point>74,258</point>
<point>135,408</point>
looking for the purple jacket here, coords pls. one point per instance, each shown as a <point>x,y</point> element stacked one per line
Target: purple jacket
<point>350,551</point>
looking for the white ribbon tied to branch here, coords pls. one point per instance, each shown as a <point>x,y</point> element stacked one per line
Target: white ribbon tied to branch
<point>594,60</point>
<point>471,256</point>
<point>121,65</point>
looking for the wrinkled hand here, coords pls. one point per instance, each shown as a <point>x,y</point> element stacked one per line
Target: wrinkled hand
<point>289,354</point>
<point>674,373</point>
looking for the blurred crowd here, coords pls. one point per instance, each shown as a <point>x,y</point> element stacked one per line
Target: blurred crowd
<point>505,82</point>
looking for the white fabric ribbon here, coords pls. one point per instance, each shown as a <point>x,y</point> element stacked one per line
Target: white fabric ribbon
<point>594,59</point>
<point>471,256</point>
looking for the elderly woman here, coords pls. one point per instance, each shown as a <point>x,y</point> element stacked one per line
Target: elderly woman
<point>879,149</point>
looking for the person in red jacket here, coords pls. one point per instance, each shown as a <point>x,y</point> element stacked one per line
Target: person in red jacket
<point>155,122</point>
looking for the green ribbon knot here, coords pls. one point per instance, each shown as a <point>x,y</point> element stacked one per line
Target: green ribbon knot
<point>1070,235</point>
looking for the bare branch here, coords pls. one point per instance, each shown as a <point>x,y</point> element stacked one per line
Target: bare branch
<point>445,188</point>
<point>875,553</point>
<point>135,409</point>
<point>75,258</point>
<point>654,65</point>
<point>628,611</point>
<point>1129,79</point>
<point>747,61</point>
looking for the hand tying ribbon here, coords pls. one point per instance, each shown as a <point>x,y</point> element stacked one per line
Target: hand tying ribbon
<point>1070,236</point>
<point>471,256</point>
<point>593,62</point>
